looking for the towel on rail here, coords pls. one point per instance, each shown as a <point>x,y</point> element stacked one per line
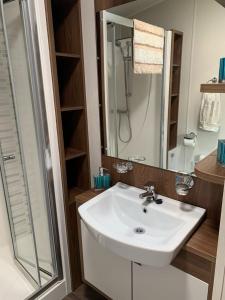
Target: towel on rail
<point>148,44</point>
<point>210,112</point>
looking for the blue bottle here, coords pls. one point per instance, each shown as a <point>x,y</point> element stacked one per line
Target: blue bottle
<point>222,70</point>
<point>102,180</point>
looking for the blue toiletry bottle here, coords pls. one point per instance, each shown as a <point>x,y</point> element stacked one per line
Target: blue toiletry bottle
<point>102,180</point>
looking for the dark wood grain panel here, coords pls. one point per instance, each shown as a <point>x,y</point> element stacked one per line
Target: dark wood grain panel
<point>204,194</point>
<point>209,170</point>
<point>84,292</point>
<point>67,25</point>
<point>66,52</point>
<point>204,241</point>
<point>106,4</point>
<point>194,265</point>
<point>213,88</point>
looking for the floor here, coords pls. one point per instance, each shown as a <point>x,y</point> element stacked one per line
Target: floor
<point>9,273</point>
<point>84,293</point>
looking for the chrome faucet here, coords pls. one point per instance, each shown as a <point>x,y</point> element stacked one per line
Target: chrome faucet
<point>150,194</point>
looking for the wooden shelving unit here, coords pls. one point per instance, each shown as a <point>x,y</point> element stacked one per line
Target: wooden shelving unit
<point>213,88</point>
<point>65,35</point>
<point>209,170</point>
<point>100,62</point>
<point>174,96</point>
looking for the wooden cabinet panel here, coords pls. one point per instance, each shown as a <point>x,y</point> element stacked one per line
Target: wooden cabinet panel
<point>106,4</point>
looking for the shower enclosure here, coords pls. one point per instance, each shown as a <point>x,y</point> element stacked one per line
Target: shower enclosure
<point>25,162</point>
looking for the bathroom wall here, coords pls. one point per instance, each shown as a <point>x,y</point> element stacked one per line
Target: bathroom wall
<point>7,129</point>
<point>200,62</point>
<point>208,48</point>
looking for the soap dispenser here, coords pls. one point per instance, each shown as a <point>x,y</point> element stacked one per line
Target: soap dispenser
<point>102,179</point>
<point>106,179</point>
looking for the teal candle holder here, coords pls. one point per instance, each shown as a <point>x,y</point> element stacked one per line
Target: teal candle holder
<point>221,152</point>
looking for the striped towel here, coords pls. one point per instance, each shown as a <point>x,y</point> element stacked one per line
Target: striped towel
<point>148,48</point>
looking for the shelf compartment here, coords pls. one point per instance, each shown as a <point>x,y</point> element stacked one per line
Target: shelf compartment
<point>75,130</point>
<point>177,49</point>
<point>173,136</point>
<point>73,193</point>
<point>209,170</point>
<point>67,55</point>
<point>174,108</point>
<point>213,88</point>
<point>77,175</point>
<point>176,81</point>
<point>70,78</point>
<point>66,21</point>
<point>72,108</point>
<point>71,153</point>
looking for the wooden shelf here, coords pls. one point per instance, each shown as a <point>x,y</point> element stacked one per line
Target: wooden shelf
<point>176,65</point>
<point>73,193</point>
<point>66,52</point>
<point>209,170</point>
<point>213,88</point>
<point>67,55</point>
<point>173,122</point>
<point>175,76</point>
<point>72,108</point>
<point>204,241</point>
<point>71,153</point>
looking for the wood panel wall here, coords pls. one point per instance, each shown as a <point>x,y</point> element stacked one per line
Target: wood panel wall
<point>106,4</point>
<point>204,194</point>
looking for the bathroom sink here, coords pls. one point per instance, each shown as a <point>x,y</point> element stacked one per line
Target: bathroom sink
<point>151,235</point>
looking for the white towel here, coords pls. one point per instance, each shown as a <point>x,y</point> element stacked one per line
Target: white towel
<point>210,112</point>
<point>148,48</point>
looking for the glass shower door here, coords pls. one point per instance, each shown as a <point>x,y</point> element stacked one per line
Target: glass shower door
<point>13,176</point>
<point>19,210</point>
<point>25,161</point>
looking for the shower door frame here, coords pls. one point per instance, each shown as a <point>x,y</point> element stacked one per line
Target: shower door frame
<point>27,8</point>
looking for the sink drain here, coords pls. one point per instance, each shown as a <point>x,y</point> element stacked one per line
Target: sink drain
<point>139,230</point>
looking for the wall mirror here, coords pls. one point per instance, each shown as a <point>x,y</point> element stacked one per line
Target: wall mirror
<point>168,111</point>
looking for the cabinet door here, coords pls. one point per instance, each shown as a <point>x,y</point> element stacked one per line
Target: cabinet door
<point>169,283</point>
<point>107,272</point>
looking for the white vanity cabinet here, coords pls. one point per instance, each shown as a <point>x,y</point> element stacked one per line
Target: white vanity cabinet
<point>118,278</point>
<point>107,272</point>
<point>166,283</point>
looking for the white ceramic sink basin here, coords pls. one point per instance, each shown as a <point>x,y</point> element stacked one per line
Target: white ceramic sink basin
<point>113,217</point>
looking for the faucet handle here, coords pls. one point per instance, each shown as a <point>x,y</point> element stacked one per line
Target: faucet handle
<point>149,187</point>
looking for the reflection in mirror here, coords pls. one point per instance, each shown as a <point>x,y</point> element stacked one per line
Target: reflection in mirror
<point>154,110</point>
